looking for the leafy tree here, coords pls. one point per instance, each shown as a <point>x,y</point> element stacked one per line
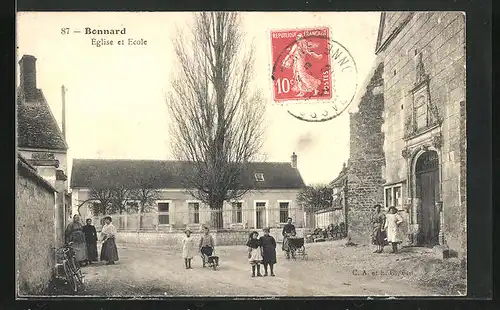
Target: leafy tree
<point>316,197</point>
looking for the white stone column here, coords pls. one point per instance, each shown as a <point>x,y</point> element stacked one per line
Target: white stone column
<point>439,207</point>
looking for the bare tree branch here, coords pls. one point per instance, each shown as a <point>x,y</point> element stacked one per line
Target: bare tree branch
<point>216,116</point>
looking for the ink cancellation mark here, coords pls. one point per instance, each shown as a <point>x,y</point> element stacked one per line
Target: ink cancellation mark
<point>316,77</point>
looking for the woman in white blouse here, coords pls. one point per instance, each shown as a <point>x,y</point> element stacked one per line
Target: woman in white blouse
<point>109,253</point>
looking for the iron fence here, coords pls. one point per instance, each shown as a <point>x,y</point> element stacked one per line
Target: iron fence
<point>196,219</point>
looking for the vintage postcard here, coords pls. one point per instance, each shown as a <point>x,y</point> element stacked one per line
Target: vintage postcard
<point>250,154</point>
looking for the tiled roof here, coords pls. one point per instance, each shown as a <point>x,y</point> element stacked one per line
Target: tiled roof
<point>92,173</point>
<point>36,125</point>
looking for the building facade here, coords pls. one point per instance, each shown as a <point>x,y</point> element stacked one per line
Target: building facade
<point>337,213</point>
<point>421,60</point>
<point>270,200</point>
<point>41,141</point>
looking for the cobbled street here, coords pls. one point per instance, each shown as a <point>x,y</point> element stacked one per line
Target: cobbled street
<point>330,270</point>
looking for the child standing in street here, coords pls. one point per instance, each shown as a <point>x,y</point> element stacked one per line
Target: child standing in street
<point>254,253</point>
<point>206,246</point>
<point>188,248</point>
<point>268,245</point>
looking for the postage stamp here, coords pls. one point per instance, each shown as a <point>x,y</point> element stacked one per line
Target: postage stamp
<point>315,76</point>
<point>301,64</point>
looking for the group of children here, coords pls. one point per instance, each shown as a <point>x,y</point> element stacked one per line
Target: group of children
<point>260,250</point>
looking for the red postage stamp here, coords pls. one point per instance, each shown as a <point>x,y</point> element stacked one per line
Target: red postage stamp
<point>301,64</point>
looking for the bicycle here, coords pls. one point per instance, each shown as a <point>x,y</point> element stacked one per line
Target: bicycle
<point>72,272</point>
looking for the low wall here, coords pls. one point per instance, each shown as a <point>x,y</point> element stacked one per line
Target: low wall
<point>35,206</point>
<point>222,237</point>
<point>327,217</point>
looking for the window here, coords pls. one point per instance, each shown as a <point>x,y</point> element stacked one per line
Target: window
<point>237,213</point>
<point>284,214</point>
<point>259,177</point>
<point>163,213</point>
<point>194,211</point>
<point>393,196</point>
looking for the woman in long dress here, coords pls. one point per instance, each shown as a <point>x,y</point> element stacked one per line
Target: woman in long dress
<point>74,233</point>
<point>378,233</point>
<point>91,240</point>
<point>392,223</point>
<point>109,252</point>
<point>296,59</point>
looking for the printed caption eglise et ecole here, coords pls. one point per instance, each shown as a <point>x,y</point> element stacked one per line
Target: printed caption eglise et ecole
<point>108,37</point>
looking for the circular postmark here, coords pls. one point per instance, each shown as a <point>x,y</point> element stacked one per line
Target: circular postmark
<point>314,77</point>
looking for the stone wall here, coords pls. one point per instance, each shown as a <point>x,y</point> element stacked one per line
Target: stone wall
<point>440,38</point>
<point>366,159</point>
<point>35,205</point>
<point>174,239</point>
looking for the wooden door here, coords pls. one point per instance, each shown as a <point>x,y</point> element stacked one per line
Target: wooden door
<point>427,186</point>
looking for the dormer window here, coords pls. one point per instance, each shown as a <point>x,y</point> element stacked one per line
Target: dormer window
<point>259,177</point>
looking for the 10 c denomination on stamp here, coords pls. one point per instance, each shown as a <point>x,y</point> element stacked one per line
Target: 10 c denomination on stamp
<point>301,64</point>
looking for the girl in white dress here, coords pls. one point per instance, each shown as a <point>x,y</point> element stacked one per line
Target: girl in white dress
<point>392,223</point>
<point>254,253</point>
<point>188,248</point>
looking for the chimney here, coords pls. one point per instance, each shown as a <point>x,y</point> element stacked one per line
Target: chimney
<point>27,79</point>
<point>294,160</point>
<point>63,95</point>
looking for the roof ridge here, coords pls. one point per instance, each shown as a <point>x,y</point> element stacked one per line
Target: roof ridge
<point>168,160</point>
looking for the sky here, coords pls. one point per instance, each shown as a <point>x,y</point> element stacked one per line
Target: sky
<point>115,99</point>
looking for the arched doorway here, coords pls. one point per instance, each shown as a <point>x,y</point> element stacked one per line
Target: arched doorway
<point>427,191</point>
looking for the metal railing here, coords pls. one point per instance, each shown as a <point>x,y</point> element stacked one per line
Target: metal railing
<point>249,218</point>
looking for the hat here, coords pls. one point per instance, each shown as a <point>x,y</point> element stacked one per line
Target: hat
<point>393,207</point>
<point>377,206</point>
<point>266,229</point>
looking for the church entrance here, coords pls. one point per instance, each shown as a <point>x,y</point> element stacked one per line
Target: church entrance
<point>427,191</point>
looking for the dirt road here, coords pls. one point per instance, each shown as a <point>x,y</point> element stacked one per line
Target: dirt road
<point>330,270</point>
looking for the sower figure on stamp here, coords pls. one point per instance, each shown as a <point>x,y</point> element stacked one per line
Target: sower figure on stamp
<point>296,58</point>
<point>288,231</point>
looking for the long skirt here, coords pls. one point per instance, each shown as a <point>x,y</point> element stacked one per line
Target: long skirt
<point>80,250</point>
<point>109,252</point>
<point>92,251</point>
